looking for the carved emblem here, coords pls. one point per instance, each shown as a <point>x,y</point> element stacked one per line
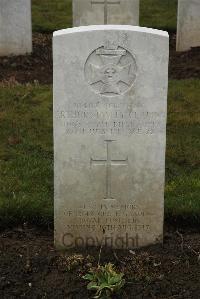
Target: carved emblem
<point>109,162</point>
<point>110,70</point>
<point>106,4</point>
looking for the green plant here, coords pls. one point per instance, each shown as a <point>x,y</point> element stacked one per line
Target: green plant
<point>104,280</point>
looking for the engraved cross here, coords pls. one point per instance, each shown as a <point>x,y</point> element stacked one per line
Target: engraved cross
<point>106,3</point>
<point>109,162</point>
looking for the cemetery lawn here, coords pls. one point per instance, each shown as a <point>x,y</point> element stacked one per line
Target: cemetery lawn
<point>49,15</point>
<point>26,154</point>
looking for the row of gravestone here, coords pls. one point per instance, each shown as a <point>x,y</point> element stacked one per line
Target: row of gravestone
<point>16,28</point>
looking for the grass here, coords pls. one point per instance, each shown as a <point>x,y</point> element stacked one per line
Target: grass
<point>183,148</point>
<point>26,153</point>
<point>159,14</point>
<point>49,15</point>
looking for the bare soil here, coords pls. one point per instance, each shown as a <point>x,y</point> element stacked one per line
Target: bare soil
<point>38,65</point>
<point>183,65</point>
<point>30,267</point>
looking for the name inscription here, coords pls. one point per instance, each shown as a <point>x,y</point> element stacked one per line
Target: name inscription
<point>112,119</point>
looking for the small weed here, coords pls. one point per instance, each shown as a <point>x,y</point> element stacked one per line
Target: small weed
<point>105,281</point>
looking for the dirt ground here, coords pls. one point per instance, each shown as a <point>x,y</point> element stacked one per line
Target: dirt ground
<point>38,65</point>
<point>30,267</point>
<point>30,68</point>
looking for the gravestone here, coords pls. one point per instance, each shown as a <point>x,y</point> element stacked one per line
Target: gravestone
<point>188,28</point>
<point>98,12</point>
<point>15,27</point>
<point>110,108</point>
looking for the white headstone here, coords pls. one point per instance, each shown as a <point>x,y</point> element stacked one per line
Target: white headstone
<point>98,12</point>
<point>188,29</point>
<point>110,108</point>
<point>15,27</point>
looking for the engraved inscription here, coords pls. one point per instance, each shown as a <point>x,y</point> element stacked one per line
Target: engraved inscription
<point>106,3</point>
<point>112,118</point>
<point>110,70</point>
<point>109,162</point>
<point>108,216</point>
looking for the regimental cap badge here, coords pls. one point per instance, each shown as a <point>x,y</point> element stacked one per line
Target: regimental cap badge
<point>110,70</point>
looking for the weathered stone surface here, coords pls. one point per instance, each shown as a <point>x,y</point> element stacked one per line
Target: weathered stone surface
<point>98,12</point>
<point>110,107</point>
<point>188,28</point>
<point>15,27</point>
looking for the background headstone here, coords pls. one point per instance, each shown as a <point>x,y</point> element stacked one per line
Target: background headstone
<point>98,12</point>
<point>15,27</point>
<point>188,28</point>
<point>110,108</point>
